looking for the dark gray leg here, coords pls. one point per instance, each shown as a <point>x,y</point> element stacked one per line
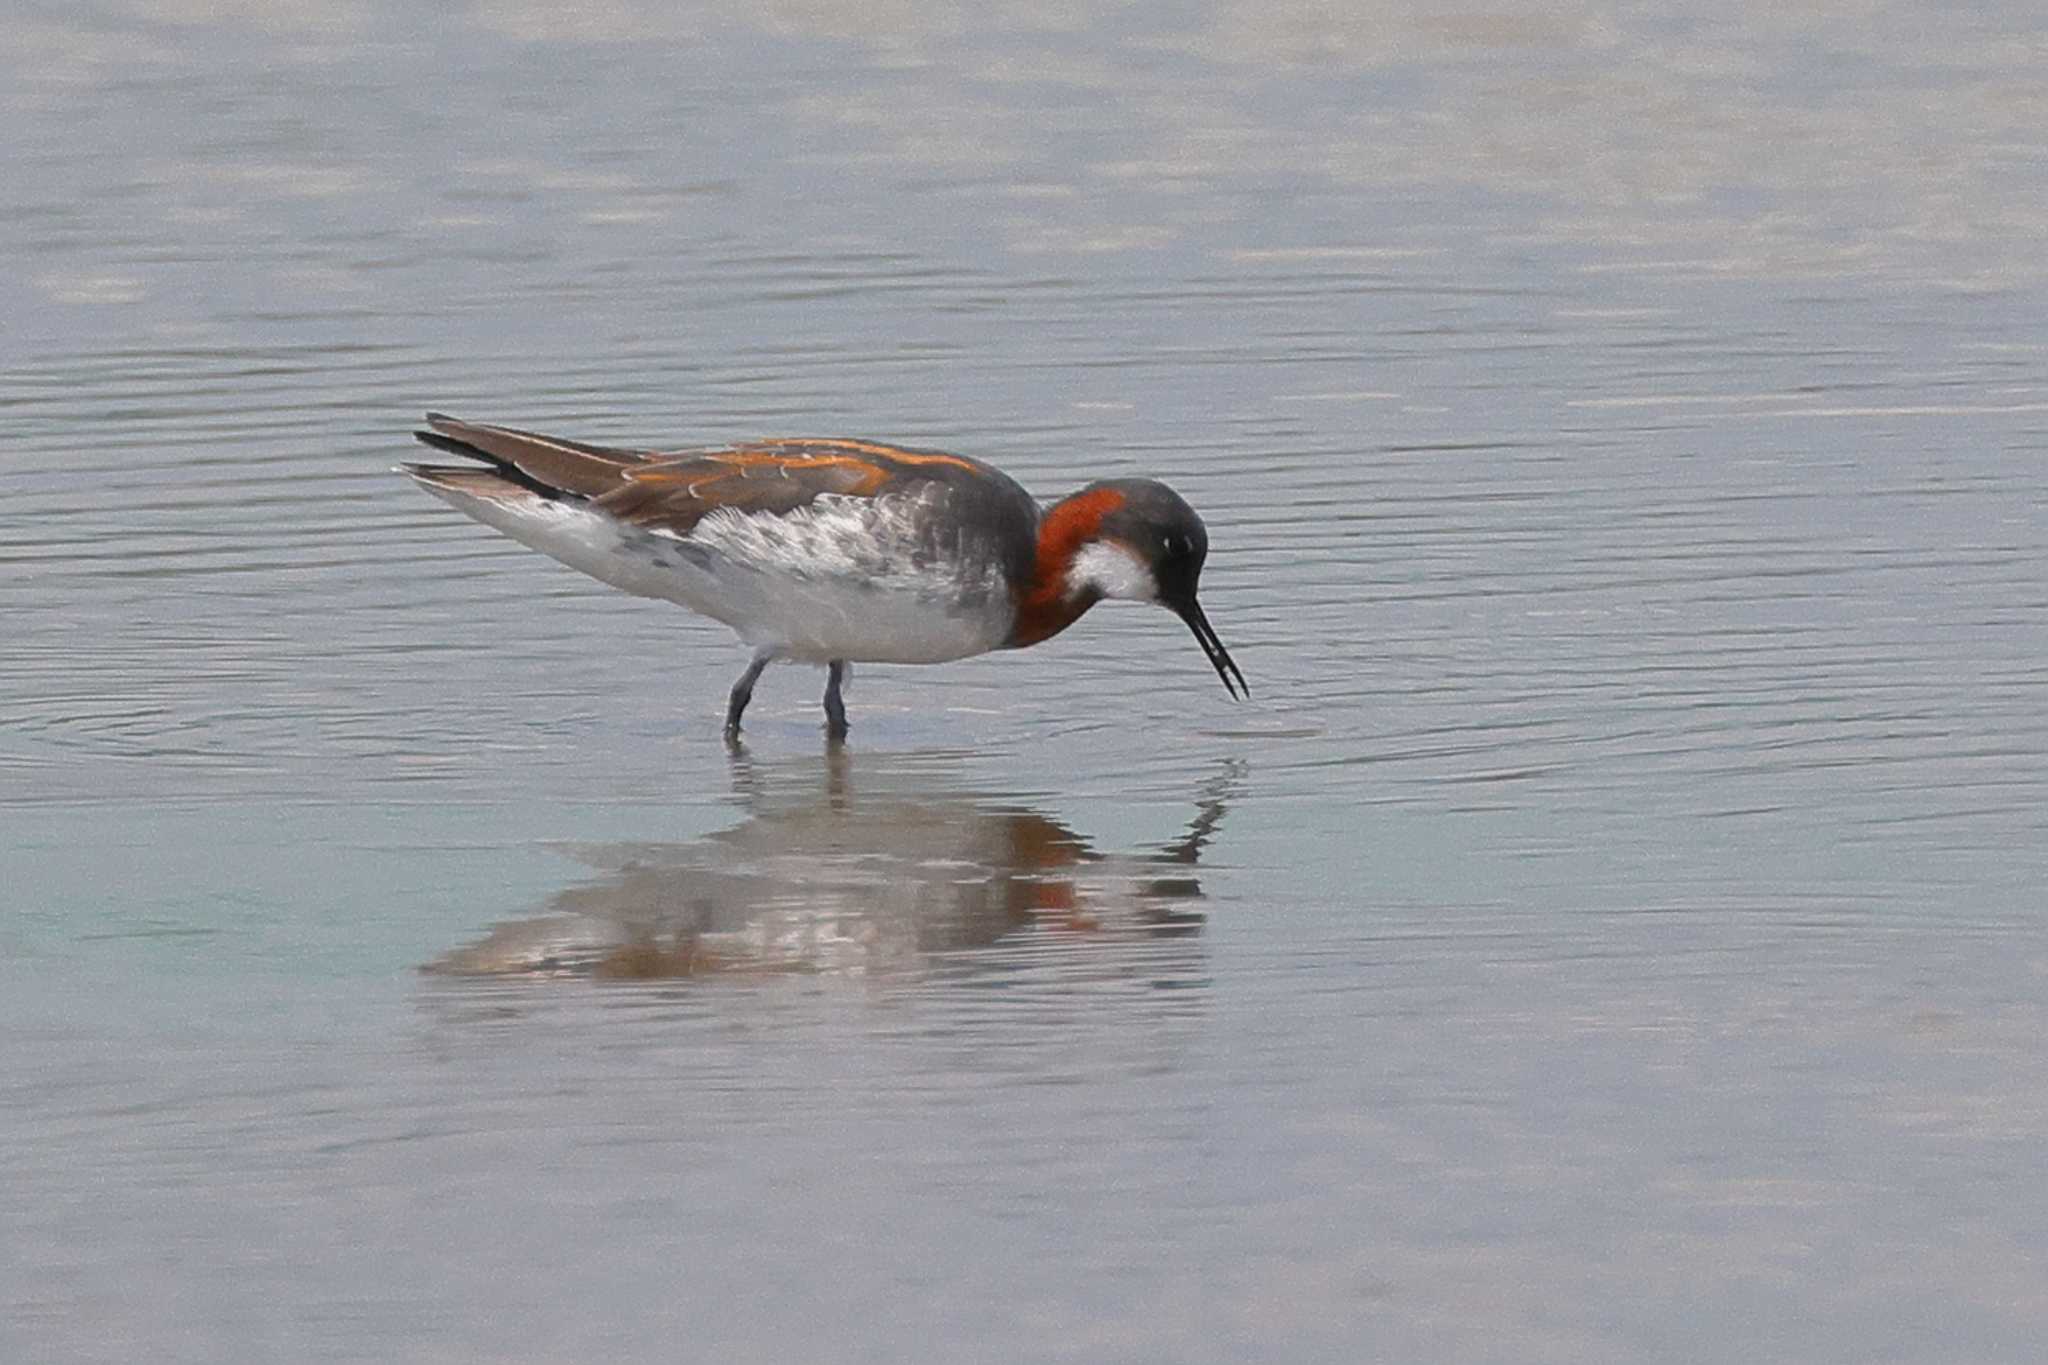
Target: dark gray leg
<point>742,693</point>
<point>835,709</point>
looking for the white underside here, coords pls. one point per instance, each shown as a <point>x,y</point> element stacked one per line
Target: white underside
<point>834,581</point>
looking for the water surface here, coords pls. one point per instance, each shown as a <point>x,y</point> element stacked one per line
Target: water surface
<point>1613,930</point>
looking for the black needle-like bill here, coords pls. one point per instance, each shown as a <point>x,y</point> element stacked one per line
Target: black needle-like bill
<point>1190,611</point>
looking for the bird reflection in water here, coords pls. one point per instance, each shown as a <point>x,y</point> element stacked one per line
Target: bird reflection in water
<point>871,872</point>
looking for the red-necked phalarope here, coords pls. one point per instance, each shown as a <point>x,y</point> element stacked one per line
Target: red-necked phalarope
<point>833,551</point>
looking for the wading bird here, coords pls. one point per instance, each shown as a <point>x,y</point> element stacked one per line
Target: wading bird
<point>833,551</point>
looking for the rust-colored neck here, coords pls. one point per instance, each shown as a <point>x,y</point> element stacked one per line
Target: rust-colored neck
<point>1044,606</point>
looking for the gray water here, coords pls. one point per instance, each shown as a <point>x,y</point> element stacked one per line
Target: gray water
<point>1613,930</point>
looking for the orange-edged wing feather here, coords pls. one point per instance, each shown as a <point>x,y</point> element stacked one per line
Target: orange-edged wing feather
<point>672,491</point>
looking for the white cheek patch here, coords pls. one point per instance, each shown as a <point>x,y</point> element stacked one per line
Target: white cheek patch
<point>1108,568</point>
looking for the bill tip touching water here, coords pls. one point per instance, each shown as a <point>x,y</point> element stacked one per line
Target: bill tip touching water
<point>834,551</point>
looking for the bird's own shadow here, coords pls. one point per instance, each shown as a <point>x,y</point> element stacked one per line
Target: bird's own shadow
<point>849,866</point>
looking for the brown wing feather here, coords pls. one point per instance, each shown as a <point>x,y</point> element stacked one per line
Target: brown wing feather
<point>549,461</point>
<point>674,490</point>
<point>674,494</point>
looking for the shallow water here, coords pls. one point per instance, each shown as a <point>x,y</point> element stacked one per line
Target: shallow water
<point>1612,930</point>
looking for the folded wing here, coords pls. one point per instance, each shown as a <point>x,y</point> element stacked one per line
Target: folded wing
<point>674,490</point>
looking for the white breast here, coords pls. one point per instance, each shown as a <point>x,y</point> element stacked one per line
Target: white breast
<point>858,579</point>
<point>852,578</point>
